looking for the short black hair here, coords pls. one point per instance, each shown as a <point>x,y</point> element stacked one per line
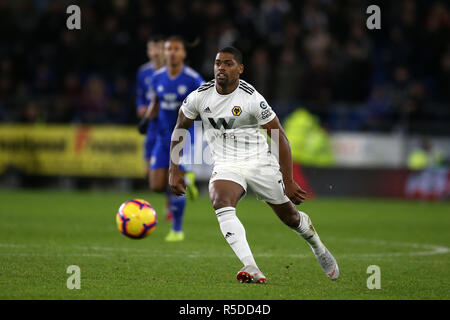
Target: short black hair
<point>156,38</point>
<point>234,51</point>
<point>177,38</point>
<point>187,45</point>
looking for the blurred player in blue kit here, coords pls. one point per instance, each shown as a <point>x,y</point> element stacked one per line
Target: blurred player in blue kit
<point>144,91</point>
<point>144,94</point>
<point>171,85</point>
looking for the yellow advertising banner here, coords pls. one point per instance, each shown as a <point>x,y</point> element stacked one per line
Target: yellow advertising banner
<point>97,151</point>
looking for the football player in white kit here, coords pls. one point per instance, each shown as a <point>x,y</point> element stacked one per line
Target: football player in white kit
<point>232,112</point>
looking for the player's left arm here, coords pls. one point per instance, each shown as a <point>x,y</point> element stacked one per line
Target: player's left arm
<point>292,189</point>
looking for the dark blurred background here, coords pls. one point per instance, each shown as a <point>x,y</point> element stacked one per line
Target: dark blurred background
<point>317,54</point>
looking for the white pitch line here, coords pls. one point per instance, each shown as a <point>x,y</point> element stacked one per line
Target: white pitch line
<point>32,254</point>
<point>10,245</point>
<point>429,249</point>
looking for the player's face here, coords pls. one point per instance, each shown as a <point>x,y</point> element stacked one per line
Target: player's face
<point>226,69</point>
<point>174,52</point>
<point>155,50</point>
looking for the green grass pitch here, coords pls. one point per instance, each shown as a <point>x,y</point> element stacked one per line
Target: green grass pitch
<point>44,232</point>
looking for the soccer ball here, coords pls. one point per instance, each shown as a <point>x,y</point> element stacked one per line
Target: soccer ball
<point>136,219</point>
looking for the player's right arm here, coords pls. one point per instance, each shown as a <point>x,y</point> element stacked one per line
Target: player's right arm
<point>176,176</point>
<point>150,113</point>
<point>141,111</point>
<point>268,120</point>
<point>140,95</point>
<point>293,191</point>
<point>153,109</point>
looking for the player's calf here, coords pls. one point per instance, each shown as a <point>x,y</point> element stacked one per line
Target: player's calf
<point>287,213</point>
<point>301,224</point>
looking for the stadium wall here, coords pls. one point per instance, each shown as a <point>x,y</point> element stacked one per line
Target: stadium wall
<point>365,164</point>
<point>60,150</point>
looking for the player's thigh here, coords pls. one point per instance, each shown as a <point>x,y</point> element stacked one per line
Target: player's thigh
<point>159,167</point>
<point>225,193</point>
<point>149,145</point>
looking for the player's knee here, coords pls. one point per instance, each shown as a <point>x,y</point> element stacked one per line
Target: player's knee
<point>221,203</point>
<point>158,187</point>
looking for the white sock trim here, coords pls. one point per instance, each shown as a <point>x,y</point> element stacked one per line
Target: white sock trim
<point>224,210</point>
<point>303,226</point>
<point>311,237</point>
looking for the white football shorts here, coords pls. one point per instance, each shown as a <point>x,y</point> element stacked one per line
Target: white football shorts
<point>263,177</point>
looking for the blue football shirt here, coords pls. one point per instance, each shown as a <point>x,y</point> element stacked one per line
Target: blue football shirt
<point>171,93</point>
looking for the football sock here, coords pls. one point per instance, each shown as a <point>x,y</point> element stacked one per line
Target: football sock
<point>234,232</point>
<point>307,232</point>
<point>177,204</point>
<point>168,194</point>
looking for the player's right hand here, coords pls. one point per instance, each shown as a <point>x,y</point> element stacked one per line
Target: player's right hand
<point>143,125</point>
<point>176,181</point>
<point>294,192</point>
